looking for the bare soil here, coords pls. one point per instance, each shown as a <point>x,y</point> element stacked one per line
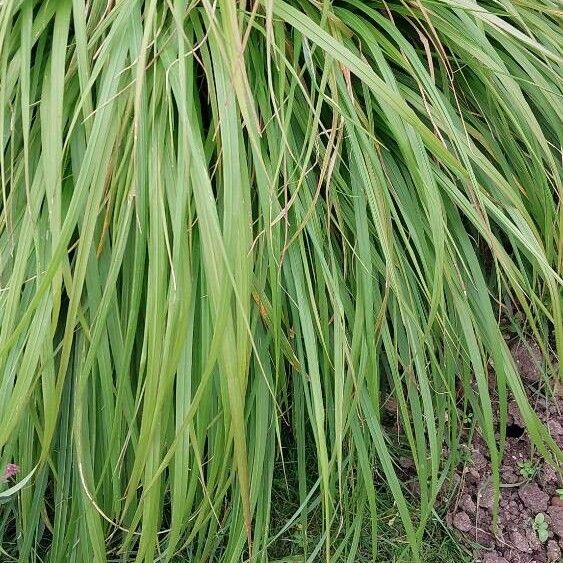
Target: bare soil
<point>529,486</point>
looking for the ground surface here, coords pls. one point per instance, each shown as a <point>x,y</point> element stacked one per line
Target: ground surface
<point>529,501</point>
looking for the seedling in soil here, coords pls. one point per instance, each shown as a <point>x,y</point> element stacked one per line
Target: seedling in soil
<point>527,469</point>
<point>540,527</point>
<point>560,493</point>
<point>465,456</point>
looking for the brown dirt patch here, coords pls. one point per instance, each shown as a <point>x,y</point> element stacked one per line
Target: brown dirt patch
<point>529,487</point>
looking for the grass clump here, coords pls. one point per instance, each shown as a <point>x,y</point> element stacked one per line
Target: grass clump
<point>229,231</point>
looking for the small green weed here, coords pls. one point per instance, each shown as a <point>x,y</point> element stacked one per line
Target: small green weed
<point>540,527</point>
<point>527,469</point>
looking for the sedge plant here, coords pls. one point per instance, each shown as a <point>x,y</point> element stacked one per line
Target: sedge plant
<point>230,231</point>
